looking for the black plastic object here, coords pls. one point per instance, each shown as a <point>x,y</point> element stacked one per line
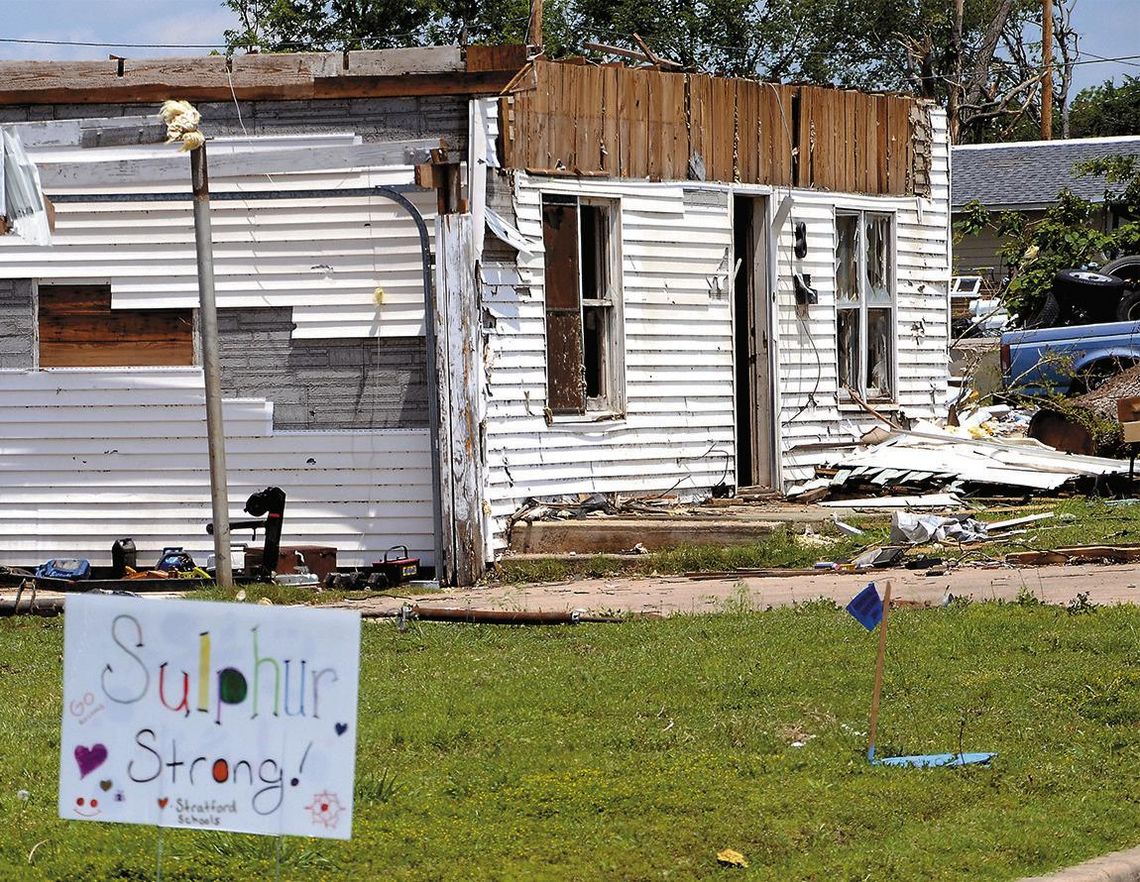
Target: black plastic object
<point>805,293</point>
<point>174,558</point>
<point>123,555</point>
<point>271,503</point>
<point>800,235</point>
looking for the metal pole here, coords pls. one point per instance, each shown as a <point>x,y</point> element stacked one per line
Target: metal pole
<point>208,329</point>
<point>874,726</point>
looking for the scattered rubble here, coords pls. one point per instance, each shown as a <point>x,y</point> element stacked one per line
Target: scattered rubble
<point>933,463</point>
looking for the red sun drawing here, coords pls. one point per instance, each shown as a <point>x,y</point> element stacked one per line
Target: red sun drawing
<point>325,808</point>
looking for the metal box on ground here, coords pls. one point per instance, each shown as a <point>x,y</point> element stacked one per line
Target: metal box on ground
<point>398,566</point>
<point>320,559</point>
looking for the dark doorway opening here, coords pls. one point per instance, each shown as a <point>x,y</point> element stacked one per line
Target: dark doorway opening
<point>755,465</point>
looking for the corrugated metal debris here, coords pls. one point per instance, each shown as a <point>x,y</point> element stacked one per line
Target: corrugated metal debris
<point>930,459</point>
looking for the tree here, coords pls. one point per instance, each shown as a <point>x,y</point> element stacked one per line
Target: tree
<point>975,56</point>
<point>1107,110</point>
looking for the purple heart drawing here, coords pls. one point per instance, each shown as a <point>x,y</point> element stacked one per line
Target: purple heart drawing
<point>341,728</point>
<point>90,758</point>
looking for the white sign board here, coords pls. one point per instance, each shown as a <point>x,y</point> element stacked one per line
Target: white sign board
<point>221,716</point>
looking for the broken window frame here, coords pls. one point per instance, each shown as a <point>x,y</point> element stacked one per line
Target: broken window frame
<point>865,306</point>
<point>607,399</point>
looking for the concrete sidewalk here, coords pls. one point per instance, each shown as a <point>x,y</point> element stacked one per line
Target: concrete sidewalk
<point>1104,584</point>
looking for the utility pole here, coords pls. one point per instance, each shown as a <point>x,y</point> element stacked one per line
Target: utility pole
<point>535,27</point>
<point>208,330</point>
<point>1047,74</point>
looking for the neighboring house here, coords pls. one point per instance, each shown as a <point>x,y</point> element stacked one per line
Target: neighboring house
<point>1025,176</point>
<point>644,283</point>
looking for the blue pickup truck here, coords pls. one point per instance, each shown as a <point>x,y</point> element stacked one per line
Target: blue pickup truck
<point>1067,360</point>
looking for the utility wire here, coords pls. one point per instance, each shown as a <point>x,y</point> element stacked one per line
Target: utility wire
<point>1092,58</point>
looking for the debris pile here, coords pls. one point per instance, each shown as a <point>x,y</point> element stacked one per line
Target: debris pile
<point>932,467</point>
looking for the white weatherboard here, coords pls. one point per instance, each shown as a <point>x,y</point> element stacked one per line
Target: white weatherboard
<point>215,716</point>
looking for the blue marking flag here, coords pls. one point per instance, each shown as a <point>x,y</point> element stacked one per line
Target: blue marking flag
<point>867,607</point>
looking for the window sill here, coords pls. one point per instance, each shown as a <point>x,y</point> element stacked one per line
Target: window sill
<point>595,420</point>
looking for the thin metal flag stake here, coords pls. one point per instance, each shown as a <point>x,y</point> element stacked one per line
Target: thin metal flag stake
<point>878,688</point>
<point>871,613</point>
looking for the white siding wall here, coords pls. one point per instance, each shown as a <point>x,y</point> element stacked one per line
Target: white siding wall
<point>324,258</point>
<point>89,456</point>
<point>810,411</point>
<point>678,434</point>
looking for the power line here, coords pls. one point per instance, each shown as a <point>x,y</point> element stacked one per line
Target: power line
<point>1130,60</point>
<point>113,45</point>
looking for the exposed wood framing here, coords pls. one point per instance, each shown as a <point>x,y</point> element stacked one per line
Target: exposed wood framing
<point>432,70</point>
<point>458,387</point>
<point>78,328</point>
<point>639,123</point>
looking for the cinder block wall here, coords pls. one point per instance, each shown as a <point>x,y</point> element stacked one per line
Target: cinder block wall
<point>322,384</point>
<point>17,324</point>
<point>374,119</point>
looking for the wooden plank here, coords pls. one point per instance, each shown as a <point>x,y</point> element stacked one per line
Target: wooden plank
<point>700,120</point>
<point>882,133</point>
<point>1091,553</point>
<point>788,135</point>
<point>870,141</point>
<point>724,125</point>
<point>561,126</point>
<point>850,115</point>
<point>592,155</point>
<point>654,127</point>
<point>747,143</point>
<point>534,121</point>
<point>457,314</point>
<point>271,76</point>
<point>484,58</point>
<point>610,136</point>
<point>637,107</point>
<point>805,176</point>
<point>78,328</point>
<point>676,138</point>
<point>904,141</point>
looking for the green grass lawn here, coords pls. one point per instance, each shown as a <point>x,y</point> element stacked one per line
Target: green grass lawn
<point>637,751</point>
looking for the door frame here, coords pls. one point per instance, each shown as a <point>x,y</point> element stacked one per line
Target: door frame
<point>760,391</point>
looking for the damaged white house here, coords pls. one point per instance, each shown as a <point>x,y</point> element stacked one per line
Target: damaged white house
<point>639,282</point>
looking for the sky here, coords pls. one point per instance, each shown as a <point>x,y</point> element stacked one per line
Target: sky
<point>1110,28</point>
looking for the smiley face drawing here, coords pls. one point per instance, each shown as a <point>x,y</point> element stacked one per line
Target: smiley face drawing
<point>87,808</point>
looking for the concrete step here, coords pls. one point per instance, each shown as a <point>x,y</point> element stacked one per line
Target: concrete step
<point>615,535</point>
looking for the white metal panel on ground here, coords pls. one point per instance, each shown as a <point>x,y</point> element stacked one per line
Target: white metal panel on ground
<point>349,267</point>
<point>90,456</point>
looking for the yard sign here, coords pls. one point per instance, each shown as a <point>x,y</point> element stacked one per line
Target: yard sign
<point>220,716</point>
